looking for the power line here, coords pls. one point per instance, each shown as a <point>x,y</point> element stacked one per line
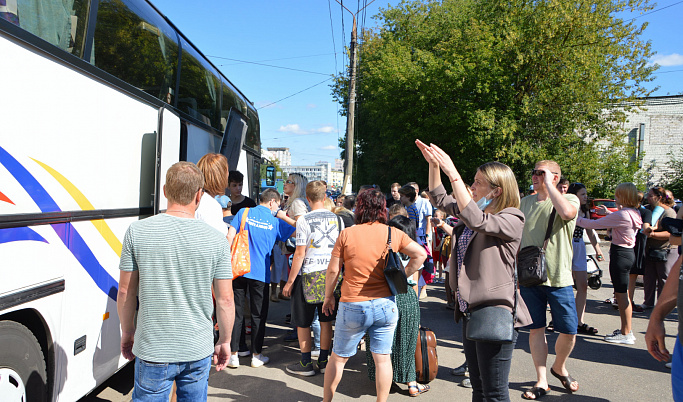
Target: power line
<point>270,65</point>
<point>657,10</point>
<point>336,67</point>
<point>282,58</point>
<point>296,93</point>
<point>666,72</point>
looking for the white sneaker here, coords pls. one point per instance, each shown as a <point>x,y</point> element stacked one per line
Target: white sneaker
<point>234,361</point>
<point>315,352</point>
<point>258,360</point>
<point>668,365</point>
<point>628,339</point>
<point>244,354</point>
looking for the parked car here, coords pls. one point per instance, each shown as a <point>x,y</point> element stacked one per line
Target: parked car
<point>595,203</point>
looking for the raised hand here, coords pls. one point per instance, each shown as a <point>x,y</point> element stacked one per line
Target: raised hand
<point>426,152</point>
<point>445,162</point>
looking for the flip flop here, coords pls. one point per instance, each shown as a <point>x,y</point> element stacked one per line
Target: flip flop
<point>565,380</point>
<point>585,329</point>
<point>537,392</point>
<point>417,389</point>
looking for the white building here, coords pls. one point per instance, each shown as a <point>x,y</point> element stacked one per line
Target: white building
<point>319,171</point>
<point>281,154</point>
<point>339,164</point>
<point>336,179</point>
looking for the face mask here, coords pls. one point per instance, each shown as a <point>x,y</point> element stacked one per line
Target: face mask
<point>485,201</point>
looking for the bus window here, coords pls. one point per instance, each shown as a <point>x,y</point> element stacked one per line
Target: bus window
<point>133,43</point>
<point>199,89</point>
<point>231,101</point>
<point>59,22</point>
<point>253,137</point>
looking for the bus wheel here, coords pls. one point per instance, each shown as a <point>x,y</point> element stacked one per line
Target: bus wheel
<point>22,367</point>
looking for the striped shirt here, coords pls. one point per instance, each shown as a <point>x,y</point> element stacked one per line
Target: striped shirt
<point>178,259</point>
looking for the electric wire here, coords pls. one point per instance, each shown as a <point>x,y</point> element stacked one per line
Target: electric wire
<point>296,93</point>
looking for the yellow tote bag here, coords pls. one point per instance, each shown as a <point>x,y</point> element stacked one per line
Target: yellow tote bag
<point>241,263</point>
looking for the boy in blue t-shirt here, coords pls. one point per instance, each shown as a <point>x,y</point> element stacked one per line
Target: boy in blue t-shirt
<point>264,230</point>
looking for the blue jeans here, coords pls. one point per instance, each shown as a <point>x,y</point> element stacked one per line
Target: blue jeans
<point>562,307</point>
<point>489,366</point>
<point>153,381</point>
<point>378,317</point>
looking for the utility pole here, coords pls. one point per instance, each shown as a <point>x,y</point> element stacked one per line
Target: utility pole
<point>350,117</point>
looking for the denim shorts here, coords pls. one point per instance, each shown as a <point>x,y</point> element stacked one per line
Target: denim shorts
<point>153,381</point>
<point>377,317</point>
<point>562,307</point>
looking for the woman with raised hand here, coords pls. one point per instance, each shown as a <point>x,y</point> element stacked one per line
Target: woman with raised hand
<point>485,243</point>
<point>366,303</point>
<point>624,223</point>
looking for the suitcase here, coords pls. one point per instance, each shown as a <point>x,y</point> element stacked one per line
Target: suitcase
<point>426,361</point>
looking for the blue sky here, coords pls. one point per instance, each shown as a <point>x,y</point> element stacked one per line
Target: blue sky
<point>305,38</point>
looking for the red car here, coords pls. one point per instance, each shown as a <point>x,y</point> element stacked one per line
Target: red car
<point>595,203</point>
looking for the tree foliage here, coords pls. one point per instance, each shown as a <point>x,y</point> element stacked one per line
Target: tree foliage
<point>673,178</point>
<point>516,81</point>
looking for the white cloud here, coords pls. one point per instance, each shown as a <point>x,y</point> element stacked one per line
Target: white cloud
<point>326,129</point>
<point>329,147</point>
<point>311,106</point>
<point>670,60</point>
<point>292,128</point>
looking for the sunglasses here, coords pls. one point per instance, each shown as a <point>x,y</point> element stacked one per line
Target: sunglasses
<point>539,172</point>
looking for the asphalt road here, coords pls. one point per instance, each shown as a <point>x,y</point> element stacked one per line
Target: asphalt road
<point>605,372</point>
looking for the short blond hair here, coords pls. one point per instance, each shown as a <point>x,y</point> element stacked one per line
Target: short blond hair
<point>316,190</point>
<point>500,175</point>
<point>397,209</point>
<point>183,180</point>
<point>215,170</point>
<point>627,193</point>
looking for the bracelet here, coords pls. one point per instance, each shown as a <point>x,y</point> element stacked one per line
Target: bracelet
<point>454,180</point>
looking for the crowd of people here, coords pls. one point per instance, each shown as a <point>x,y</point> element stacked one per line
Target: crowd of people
<point>327,258</point>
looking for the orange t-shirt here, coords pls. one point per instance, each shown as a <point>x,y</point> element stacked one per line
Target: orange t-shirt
<point>362,248</point>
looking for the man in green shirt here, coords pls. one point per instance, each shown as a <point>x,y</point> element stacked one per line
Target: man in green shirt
<point>557,290</point>
<point>170,262</point>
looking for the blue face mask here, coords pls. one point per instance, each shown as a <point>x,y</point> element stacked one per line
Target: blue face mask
<point>484,201</point>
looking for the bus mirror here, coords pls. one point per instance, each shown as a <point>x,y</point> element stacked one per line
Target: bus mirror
<point>270,176</point>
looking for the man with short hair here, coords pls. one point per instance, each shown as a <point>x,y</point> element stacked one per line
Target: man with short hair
<point>316,234</point>
<point>170,261</point>
<point>264,230</point>
<point>557,290</point>
<point>395,197</point>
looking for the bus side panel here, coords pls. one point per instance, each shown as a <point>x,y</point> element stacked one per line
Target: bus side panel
<point>71,142</point>
<point>170,149</point>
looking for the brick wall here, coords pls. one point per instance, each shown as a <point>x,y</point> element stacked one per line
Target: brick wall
<point>661,120</point>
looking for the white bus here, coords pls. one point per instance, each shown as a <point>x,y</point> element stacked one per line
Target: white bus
<point>97,99</point>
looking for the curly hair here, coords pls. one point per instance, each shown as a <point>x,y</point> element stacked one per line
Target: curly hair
<point>371,206</point>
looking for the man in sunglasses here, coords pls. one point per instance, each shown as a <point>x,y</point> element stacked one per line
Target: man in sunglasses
<point>557,290</point>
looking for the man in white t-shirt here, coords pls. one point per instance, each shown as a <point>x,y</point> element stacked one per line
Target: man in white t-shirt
<point>316,234</point>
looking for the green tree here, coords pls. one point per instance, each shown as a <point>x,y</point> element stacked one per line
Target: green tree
<point>514,81</point>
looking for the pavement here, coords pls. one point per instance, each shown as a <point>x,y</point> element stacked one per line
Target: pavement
<point>605,372</point>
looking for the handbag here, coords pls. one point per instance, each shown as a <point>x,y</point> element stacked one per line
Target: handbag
<point>492,324</point>
<point>658,255</point>
<point>394,272</point>
<point>531,263</point>
<point>241,263</point>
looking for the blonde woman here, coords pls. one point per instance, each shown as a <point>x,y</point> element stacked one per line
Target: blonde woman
<point>214,167</point>
<point>485,242</point>
<point>624,223</point>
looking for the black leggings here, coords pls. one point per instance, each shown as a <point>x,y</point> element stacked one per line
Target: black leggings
<point>621,260</point>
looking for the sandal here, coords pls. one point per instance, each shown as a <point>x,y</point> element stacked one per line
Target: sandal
<point>585,329</point>
<point>537,393</point>
<point>415,390</point>
<point>566,381</point>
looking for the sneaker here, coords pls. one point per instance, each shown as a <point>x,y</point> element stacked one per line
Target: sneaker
<point>460,370</point>
<point>258,360</point>
<point>466,383</point>
<point>668,365</point>
<point>301,369</point>
<point>247,330</point>
<point>234,361</point>
<point>244,353</point>
<point>618,337</point>
<point>315,352</point>
<point>637,308</point>
<point>646,306</point>
<point>322,364</point>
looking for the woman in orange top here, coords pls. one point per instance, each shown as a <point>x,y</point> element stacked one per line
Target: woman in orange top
<point>366,302</point>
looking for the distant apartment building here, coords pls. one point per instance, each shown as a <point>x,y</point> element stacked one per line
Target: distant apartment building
<point>339,164</point>
<point>657,129</point>
<point>320,171</point>
<point>283,155</point>
<point>336,179</point>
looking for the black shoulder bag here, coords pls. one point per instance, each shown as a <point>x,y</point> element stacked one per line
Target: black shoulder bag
<point>531,264</point>
<point>492,323</point>
<point>394,272</point>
